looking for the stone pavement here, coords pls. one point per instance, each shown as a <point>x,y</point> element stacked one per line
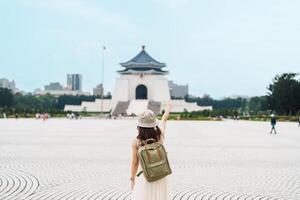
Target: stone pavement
<point>89,159</point>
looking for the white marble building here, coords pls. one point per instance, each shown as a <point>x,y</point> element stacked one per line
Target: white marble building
<point>142,78</point>
<point>141,84</point>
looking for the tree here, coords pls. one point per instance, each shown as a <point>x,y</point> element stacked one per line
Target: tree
<point>284,94</point>
<point>206,100</point>
<point>258,103</point>
<point>6,97</point>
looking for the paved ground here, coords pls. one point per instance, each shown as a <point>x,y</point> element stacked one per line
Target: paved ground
<point>89,159</point>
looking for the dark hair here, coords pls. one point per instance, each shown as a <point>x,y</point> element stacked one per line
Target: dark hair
<point>146,133</point>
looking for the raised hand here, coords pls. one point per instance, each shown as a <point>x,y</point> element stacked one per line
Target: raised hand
<point>167,111</point>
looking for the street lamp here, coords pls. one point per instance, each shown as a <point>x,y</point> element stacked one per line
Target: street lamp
<point>102,79</point>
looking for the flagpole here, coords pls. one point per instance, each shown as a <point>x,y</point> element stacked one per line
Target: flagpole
<point>102,79</point>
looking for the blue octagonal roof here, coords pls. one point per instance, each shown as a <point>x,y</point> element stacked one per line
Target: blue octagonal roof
<point>143,59</point>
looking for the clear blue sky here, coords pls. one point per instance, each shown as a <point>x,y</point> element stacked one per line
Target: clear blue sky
<point>218,47</point>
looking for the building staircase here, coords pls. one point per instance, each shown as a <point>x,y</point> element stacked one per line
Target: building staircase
<point>120,108</point>
<point>154,106</point>
<point>137,106</point>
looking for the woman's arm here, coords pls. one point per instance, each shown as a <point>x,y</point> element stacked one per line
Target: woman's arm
<point>134,163</point>
<point>166,116</point>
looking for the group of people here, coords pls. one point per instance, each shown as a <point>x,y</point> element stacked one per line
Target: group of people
<point>44,116</point>
<point>73,116</point>
<point>236,117</point>
<point>3,115</point>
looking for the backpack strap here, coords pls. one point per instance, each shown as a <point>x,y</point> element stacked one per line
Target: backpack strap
<point>144,142</point>
<point>138,174</point>
<point>159,154</point>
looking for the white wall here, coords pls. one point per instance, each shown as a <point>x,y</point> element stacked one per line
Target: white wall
<point>89,106</point>
<point>161,90</point>
<point>121,91</point>
<point>157,86</point>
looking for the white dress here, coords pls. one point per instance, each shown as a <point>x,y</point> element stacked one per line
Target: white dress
<point>157,190</point>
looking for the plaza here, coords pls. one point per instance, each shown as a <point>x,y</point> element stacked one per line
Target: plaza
<point>90,159</point>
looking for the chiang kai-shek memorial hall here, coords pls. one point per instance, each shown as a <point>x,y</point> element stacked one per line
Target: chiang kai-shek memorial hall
<point>142,84</point>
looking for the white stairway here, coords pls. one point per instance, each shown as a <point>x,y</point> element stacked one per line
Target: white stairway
<point>137,106</point>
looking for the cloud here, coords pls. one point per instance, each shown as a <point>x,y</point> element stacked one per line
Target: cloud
<point>86,48</point>
<point>85,10</point>
<point>172,5</point>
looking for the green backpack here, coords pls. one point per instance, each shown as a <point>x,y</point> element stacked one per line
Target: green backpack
<point>154,160</point>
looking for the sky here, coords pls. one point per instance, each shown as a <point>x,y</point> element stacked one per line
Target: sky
<point>218,47</point>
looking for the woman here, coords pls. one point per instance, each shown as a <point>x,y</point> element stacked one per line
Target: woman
<point>148,128</point>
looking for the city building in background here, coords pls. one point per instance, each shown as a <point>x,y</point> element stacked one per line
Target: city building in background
<point>5,83</point>
<point>74,82</point>
<point>54,86</point>
<point>74,87</point>
<point>178,91</point>
<point>98,90</point>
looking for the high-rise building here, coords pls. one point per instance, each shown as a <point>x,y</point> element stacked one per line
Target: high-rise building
<point>98,90</point>
<point>5,83</point>
<point>54,86</point>
<point>178,91</point>
<point>74,82</point>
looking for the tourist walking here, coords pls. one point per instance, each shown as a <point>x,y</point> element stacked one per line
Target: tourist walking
<point>273,124</point>
<point>149,128</point>
<point>299,121</point>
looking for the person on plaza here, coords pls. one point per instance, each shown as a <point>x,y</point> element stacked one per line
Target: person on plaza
<point>149,128</point>
<point>299,121</point>
<point>273,124</point>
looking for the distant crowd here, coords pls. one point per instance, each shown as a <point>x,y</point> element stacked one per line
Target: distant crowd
<point>74,115</point>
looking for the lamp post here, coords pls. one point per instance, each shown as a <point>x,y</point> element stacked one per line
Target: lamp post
<point>102,79</point>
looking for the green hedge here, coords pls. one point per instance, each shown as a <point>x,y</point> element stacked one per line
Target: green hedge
<point>268,118</point>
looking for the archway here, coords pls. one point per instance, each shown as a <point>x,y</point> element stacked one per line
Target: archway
<point>141,92</point>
